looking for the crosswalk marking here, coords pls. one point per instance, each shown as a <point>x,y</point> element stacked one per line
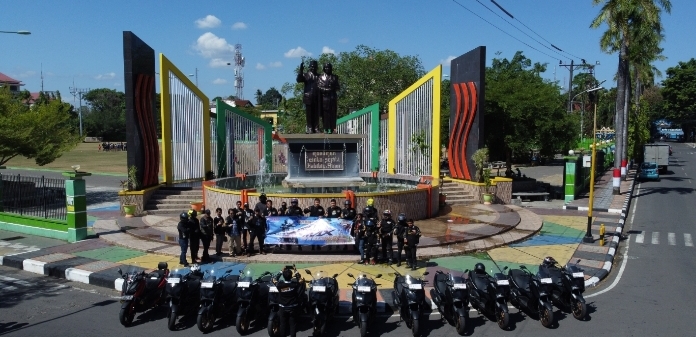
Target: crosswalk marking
<point>640,237</point>
<point>671,238</point>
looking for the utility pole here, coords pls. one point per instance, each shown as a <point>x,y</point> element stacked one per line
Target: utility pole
<point>572,67</point>
<point>79,93</point>
<point>239,62</point>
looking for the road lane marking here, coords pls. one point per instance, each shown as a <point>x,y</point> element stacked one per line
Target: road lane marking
<point>640,237</point>
<point>671,239</point>
<point>687,240</point>
<point>655,238</point>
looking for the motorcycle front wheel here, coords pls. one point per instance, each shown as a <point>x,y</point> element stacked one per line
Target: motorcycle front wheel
<point>415,328</point>
<point>205,320</point>
<point>319,326</point>
<point>503,319</point>
<point>242,323</point>
<point>274,326</point>
<point>125,316</point>
<point>171,319</point>
<point>546,315</point>
<point>579,310</point>
<point>460,325</point>
<point>363,329</point>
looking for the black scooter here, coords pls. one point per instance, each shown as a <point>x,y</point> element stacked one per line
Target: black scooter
<point>452,299</point>
<point>323,299</point>
<point>566,288</point>
<point>364,301</point>
<point>489,296</point>
<point>252,298</point>
<point>183,290</point>
<point>528,293</point>
<point>409,297</point>
<point>141,292</point>
<point>217,299</point>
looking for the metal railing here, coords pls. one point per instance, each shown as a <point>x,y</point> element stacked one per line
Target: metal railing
<point>33,196</point>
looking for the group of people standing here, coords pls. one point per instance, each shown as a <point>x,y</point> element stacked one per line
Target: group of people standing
<point>242,223</point>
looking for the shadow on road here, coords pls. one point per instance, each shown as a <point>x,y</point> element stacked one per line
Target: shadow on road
<point>6,328</point>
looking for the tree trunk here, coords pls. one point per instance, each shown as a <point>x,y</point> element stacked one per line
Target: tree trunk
<point>620,105</point>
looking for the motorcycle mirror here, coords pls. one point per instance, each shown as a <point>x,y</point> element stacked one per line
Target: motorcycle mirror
<point>378,275</point>
<point>297,275</point>
<point>466,270</point>
<point>439,272</point>
<point>578,261</point>
<point>335,276</point>
<point>307,272</point>
<point>351,275</point>
<point>426,273</point>
<point>120,272</point>
<point>523,267</point>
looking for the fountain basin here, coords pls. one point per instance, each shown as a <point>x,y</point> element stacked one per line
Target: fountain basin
<point>397,193</point>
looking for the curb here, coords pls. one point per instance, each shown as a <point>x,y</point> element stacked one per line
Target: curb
<point>614,243</point>
<point>594,209</point>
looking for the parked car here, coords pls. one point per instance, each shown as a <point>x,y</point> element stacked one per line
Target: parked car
<point>648,171</point>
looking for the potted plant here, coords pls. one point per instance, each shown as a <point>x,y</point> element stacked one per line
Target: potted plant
<point>483,173</point>
<point>487,196</point>
<point>130,184</point>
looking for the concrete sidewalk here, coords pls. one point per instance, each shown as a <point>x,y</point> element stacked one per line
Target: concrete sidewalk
<point>604,198</point>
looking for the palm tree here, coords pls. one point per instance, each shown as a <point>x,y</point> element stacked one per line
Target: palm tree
<point>629,22</point>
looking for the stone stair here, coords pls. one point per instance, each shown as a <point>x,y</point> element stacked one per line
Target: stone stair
<point>457,195</point>
<point>173,200</point>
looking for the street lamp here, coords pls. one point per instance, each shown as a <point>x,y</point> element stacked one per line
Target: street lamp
<point>20,32</point>
<point>582,112</point>
<point>588,236</point>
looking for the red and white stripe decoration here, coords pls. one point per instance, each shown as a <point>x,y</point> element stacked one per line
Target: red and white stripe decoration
<point>624,163</point>
<point>616,182</point>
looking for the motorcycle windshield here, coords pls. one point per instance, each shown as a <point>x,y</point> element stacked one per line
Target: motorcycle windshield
<point>413,277</point>
<point>247,274</point>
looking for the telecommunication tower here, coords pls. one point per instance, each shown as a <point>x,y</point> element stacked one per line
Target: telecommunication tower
<point>238,72</point>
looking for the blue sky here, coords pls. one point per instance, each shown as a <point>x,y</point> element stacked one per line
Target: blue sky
<point>81,41</point>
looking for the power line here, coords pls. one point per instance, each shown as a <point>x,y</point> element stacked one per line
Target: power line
<point>520,30</point>
<point>506,33</point>
<point>531,30</point>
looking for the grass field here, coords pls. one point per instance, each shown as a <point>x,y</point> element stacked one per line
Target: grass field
<point>86,155</point>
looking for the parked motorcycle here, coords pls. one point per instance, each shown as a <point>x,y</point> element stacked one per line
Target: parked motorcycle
<point>528,293</point>
<point>364,301</point>
<point>286,296</point>
<point>323,298</point>
<point>567,286</point>
<point>489,294</point>
<point>452,299</point>
<point>141,291</point>
<point>252,298</point>
<point>409,297</point>
<point>183,292</point>
<point>217,298</point>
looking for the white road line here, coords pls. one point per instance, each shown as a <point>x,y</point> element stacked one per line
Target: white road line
<point>671,239</point>
<point>687,240</point>
<point>640,237</point>
<point>655,238</point>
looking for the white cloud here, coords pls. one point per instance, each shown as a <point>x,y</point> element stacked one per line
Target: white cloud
<point>297,52</point>
<point>446,62</point>
<point>28,73</point>
<point>327,50</point>
<point>218,63</point>
<point>260,66</point>
<point>277,64</point>
<point>343,40</point>
<point>239,26</point>
<point>107,76</point>
<point>210,45</point>
<point>209,21</point>
<point>220,81</point>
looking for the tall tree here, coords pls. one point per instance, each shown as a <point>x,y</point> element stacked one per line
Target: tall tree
<point>679,94</point>
<point>526,111</point>
<point>107,117</point>
<point>626,19</point>
<point>42,132</point>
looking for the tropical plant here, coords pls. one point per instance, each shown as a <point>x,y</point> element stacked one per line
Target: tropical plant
<point>480,157</point>
<point>487,179</point>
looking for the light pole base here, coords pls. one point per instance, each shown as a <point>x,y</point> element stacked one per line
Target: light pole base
<point>587,239</point>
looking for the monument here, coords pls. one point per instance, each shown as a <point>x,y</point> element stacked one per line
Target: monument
<point>320,97</point>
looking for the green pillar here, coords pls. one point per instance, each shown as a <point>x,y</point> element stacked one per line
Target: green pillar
<point>570,177</point>
<point>76,203</point>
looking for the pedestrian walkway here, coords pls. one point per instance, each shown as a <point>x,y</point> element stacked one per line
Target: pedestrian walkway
<point>654,238</point>
<point>604,198</point>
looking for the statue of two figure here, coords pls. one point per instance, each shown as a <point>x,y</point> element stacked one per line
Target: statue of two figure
<point>319,97</point>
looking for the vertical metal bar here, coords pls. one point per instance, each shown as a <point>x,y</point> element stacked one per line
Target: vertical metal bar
<point>43,197</point>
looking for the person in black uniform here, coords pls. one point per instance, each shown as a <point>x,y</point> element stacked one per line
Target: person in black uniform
<point>291,290</point>
<point>315,211</point>
<point>206,224</point>
<point>239,217</point>
<point>413,234</point>
<point>257,230</point>
<point>349,213</point>
<point>358,232</point>
<point>370,212</point>
<point>270,210</point>
<point>261,205</point>
<point>399,231</point>
<point>386,227</point>
<point>246,228</point>
<point>194,235</point>
<point>219,230</point>
<point>371,241</point>
<point>183,229</point>
<point>283,208</point>
<point>333,212</point>
<point>294,210</point>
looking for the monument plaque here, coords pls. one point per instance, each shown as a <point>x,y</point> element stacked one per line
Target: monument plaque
<point>324,160</point>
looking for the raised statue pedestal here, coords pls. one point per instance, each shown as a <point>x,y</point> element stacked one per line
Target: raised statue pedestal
<point>323,163</point>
